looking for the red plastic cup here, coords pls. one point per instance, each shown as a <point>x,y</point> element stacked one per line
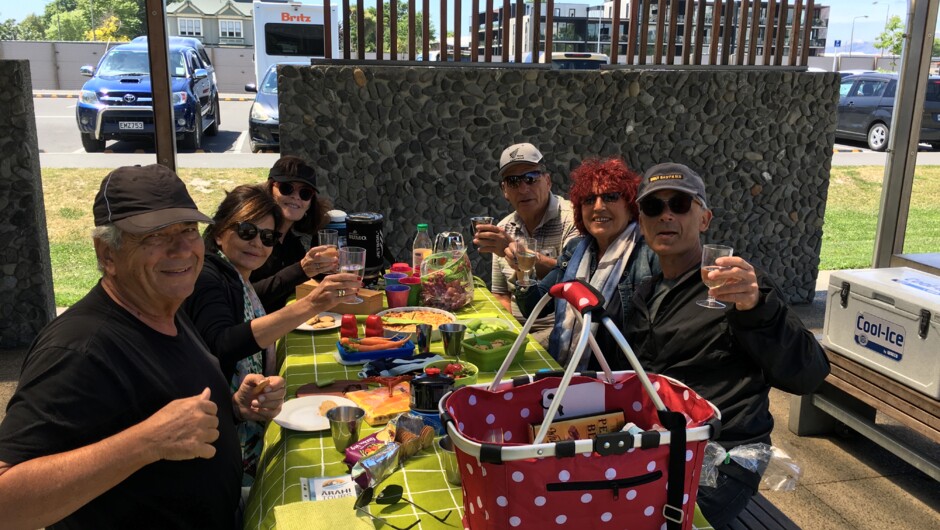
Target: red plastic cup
<point>402,267</point>
<point>397,295</point>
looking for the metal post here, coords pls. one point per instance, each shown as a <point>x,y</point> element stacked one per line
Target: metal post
<point>599,15</point>
<point>904,137</point>
<point>158,51</point>
<point>852,34</point>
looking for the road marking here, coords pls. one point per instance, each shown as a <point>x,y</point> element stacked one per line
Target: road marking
<point>241,142</point>
<point>77,151</point>
<point>58,117</point>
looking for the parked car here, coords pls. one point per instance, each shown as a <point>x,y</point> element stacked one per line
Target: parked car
<point>263,119</point>
<point>572,60</point>
<point>117,102</point>
<point>866,104</point>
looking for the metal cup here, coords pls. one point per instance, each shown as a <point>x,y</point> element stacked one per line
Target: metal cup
<point>344,426</point>
<point>451,468</point>
<point>424,337</point>
<point>452,335</point>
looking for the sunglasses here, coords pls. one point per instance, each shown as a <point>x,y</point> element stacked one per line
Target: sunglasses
<point>608,198</point>
<point>286,188</point>
<point>679,203</point>
<point>248,231</point>
<point>529,178</point>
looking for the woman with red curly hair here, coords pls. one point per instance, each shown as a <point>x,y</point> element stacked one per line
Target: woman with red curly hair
<point>611,256</point>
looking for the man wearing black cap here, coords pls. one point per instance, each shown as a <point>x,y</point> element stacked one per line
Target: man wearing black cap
<point>730,356</point>
<point>538,214</point>
<point>122,417</point>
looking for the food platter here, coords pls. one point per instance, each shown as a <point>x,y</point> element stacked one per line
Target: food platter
<point>428,315</point>
<point>309,413</point>
<point>318,326</point>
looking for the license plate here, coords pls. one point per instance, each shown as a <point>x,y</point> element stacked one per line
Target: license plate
<point>131,125</point>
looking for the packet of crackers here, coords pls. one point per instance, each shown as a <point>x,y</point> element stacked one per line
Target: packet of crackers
<point>408,430</point>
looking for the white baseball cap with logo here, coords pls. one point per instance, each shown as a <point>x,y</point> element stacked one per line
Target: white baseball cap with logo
<point>517,154</point>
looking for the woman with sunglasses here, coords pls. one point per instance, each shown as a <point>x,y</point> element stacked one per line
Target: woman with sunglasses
<point>611,256</point>
<point>296,256</point>
<point>226,309</point>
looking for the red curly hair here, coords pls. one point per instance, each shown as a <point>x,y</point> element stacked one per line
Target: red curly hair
<point>607,175</point>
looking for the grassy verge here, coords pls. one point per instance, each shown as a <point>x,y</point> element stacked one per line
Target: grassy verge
<point>848,234</point>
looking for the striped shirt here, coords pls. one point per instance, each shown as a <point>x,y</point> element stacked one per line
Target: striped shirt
<point>554,232</point>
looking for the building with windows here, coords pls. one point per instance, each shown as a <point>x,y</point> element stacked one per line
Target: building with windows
<point>587,28</point>
<point>214,22</point>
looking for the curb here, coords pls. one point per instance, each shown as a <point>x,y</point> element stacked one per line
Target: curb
<point>74,95</point>
<point>848,150</point>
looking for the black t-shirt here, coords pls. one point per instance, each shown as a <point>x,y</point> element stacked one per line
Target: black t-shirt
<point>281,273</point>
<point>94,372</point>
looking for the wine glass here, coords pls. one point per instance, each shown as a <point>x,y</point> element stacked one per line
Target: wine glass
<point>710,253</point>
<point>526,249</point>
<point>353,260</point>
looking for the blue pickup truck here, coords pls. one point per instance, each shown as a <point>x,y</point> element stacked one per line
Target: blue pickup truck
<point>117,102</point>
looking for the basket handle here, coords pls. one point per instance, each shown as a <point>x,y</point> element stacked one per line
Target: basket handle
<point>579,294</point>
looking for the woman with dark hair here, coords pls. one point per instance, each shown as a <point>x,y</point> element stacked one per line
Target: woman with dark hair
<point>226,310</point>
<point>294,259</point>
<point>611,256</point>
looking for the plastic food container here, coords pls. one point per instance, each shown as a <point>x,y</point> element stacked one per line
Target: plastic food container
<point>407,350</point>
<point>488,351</point>
<point>482,326</point>
<point>468,367</point>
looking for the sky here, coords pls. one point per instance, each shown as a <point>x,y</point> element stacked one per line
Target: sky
<point>841,15</point>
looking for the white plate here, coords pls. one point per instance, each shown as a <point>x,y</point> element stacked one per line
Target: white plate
<point>337,322</point>
<point>303,414</point>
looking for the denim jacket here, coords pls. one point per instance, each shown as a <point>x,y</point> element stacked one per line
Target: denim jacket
<point>643,264</point>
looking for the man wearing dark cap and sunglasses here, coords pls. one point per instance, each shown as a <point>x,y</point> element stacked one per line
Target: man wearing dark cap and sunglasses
<point>538,214</point>
<point>122,417</point>
<point>730,356</point>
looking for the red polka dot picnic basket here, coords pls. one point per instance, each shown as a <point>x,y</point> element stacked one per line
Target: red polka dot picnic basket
<point>645,478</point>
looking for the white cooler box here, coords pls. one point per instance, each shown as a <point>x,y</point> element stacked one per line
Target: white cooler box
<point>889,321</point>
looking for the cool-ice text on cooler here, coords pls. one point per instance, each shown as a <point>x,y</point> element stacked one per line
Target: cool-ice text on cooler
<point>877,330</point>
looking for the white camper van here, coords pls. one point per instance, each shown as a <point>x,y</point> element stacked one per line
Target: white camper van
<point>291,31</point>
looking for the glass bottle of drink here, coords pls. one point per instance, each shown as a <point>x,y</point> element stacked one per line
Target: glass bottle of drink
<point>421,248</point>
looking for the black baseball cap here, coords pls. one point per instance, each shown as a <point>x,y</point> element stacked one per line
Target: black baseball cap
<point>140,199</point>
<point>672,176</point>
<point>293,169</point>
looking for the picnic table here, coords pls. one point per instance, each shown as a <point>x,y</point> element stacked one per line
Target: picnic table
<point>288,456</point>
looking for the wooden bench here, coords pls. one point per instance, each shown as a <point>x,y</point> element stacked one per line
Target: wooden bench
<point>760,514</point>
<point>852,394</point>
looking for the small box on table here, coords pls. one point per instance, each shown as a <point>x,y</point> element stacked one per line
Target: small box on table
<point>371,300</point>
<point>888,320</point>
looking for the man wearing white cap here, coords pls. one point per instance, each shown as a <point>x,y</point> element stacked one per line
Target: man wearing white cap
<point>122,418</point>
<point>538,214</point>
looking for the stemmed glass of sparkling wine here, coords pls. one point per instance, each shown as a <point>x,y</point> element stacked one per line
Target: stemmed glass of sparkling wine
<point>710,253</point>
<point>353,260</point>
<point>526,249</point>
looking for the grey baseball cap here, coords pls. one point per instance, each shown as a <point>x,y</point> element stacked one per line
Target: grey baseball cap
<point>672,176</point>
<point>517,154</point>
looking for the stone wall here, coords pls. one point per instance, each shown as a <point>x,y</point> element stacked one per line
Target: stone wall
<point>421,144</point>
<point>26,299</point>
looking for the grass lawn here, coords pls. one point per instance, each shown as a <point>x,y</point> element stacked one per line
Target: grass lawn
<point>848,234</point>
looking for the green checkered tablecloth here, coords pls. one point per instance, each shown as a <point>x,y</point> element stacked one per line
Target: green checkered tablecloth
<point>289,455</point>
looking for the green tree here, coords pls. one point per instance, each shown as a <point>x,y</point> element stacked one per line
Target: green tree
<point>891,40</point>
<point>371,15</point>
<point>32,28</point>
<point>9,29</point>
<point>936,48</point>
<point>73,19</point>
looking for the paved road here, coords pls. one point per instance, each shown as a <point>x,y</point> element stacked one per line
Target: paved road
<point>60,146</point>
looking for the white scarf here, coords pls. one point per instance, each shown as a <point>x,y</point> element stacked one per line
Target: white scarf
<point>605,279</point>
